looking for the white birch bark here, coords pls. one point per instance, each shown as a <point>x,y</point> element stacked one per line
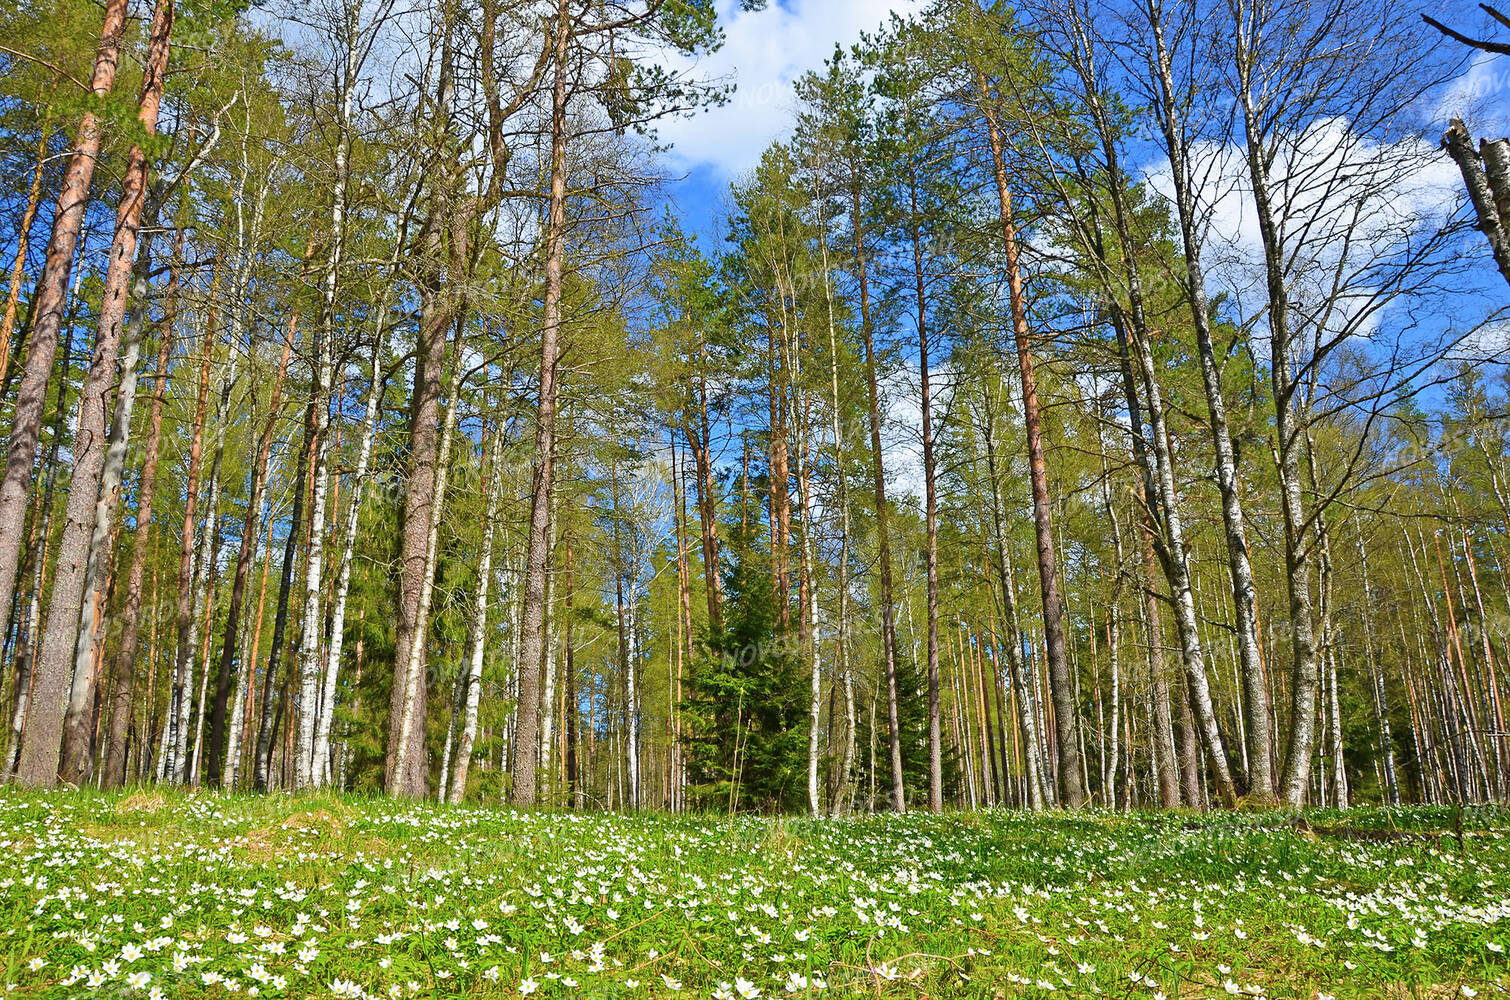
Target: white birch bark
<point>632,710</point>
<point>309,652</point>
<point>320,766</point>
<point>478,629</point>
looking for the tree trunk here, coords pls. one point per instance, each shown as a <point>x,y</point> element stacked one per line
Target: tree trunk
<point>935,739</point>
<point>1163,729</point>
<point>250,529</point>
<point>1459,146</point>
<point>114,771</point>
<point>1290,439</point>
<point>537,554</point>
<point>18,269</point>
<point>168,763</point>
<point>48,303</point>
<point>266,716</point>
<point>883,530</point>
<point>1259,738</point>
<point>30,623</point>
<point>1027,713</point>
<point>707,496</point>
<point>76,571</point>
<point>477,637</point>
<point>1061,686</point>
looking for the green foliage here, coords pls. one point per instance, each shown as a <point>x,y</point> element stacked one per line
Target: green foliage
<point>746,737</point>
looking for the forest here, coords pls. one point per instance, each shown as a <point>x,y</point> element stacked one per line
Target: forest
<point>1084,403</point>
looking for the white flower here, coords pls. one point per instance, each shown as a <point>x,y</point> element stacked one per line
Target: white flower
<point>745,988</point>
<point>1231,987</point>
<point>1469,991</point>
<point>138,979</point>
<point>671,984</point>
<point>36,963</point>
<point>796,982</point>
<point>527,986</point>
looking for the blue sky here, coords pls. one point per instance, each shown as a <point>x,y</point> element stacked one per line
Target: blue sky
<point>763,53</point>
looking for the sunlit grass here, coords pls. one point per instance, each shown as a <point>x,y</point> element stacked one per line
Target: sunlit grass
<point>172,895</point>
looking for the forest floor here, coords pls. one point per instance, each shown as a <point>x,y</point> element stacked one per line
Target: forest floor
<point>175,895</point>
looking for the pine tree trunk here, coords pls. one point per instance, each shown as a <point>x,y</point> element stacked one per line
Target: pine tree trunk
<point>883,529</point>
<point>30,623</point>
<point>48,304</point>
<point>18,269</point>
<point>1027,713</point>
<point>76,571</point>
<point>1061,685</point>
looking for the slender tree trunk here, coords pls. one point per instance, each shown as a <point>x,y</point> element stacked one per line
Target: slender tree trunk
<point>935,739</point>
<point>271,683</point>
<point>1289,433</point>
<point>247,686</point>
<point>1165,766</point>
<point>185,613</point>
<point>48,304</point>
<point>883,530</point>
<point>537,553</point>
<point>477,632</point>
<point>1259,738</point>
<point>250,529</point>
<point>320,772</point>
<point>18,269</point>
<point>1027,714</point>
<point>707,497</point>
<point>1061,687</point>
<point>114,770</point>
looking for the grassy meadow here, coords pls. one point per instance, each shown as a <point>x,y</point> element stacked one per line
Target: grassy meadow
<point>173,895</point>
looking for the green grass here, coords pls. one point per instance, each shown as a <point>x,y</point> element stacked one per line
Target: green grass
<point>216,896</point>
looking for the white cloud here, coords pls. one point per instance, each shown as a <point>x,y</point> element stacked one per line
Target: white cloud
<point>1346,204</point>
<point>763,53</point>
<point>1478,97</point>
